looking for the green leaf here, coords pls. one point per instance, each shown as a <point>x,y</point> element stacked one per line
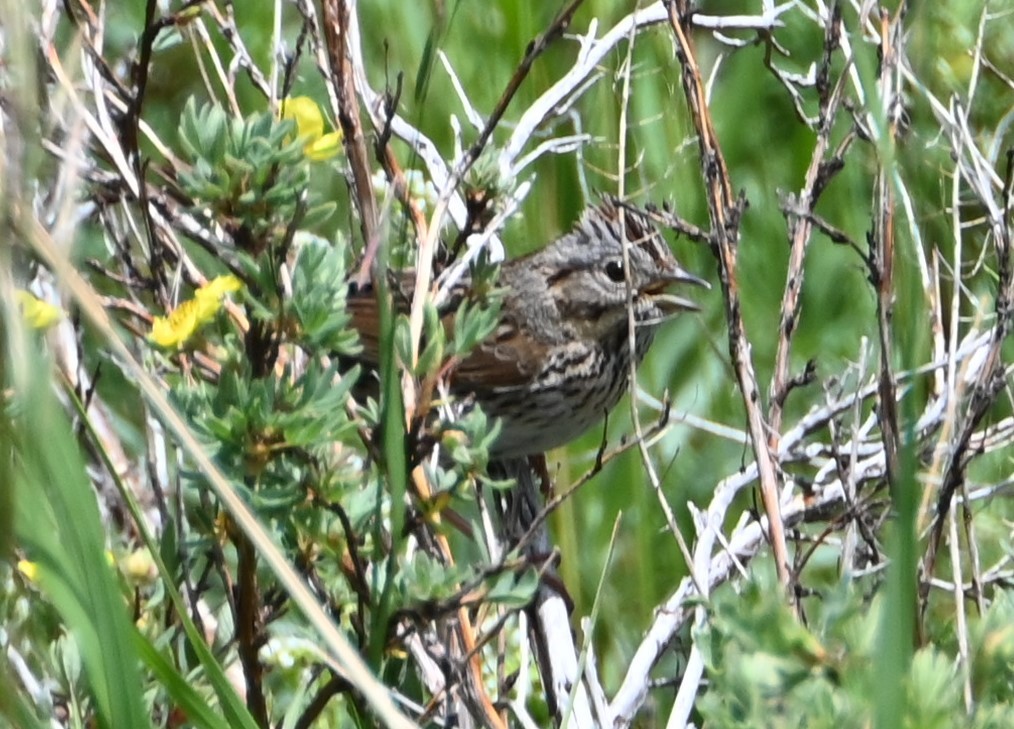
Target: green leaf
<point>194,705</point>
<point>514,591</point>
<point>58,525</point>
<point>402,339</point>
<point>319,214</point>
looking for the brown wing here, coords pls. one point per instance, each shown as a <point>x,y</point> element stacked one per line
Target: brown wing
<point>505,359</point>
<point>365,316</point>
<point>362,308</point>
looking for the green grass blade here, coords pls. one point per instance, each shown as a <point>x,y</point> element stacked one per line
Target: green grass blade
<point>58,525</point>
<point>185,697</point>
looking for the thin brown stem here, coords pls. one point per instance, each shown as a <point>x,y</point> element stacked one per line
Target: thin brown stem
<point>725,210</point>
<point>800,224</point>
<point>335,23</point>
<point>535,49</point>
<point>248,628</point>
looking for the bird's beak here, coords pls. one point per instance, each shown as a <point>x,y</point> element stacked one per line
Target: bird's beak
<point>670,303</point>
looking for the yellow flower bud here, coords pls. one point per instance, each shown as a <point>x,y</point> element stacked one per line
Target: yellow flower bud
<point>310,127</point>
<point>38,314</point>
<point>29,569</point>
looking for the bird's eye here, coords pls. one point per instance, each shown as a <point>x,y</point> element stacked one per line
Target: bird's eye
<point>614,270</point>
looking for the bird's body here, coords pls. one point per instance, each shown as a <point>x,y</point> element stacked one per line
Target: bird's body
<point>559,358</point>
<point>581,383</point>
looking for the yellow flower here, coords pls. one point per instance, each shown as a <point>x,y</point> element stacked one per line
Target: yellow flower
<point>38,314</point>
<point>304,111</point>
<point>211,293</point>
<point>183,321</point>
<point>139,567</point>
<point>29,569</point>
<point>328,146</point>
<point>174,330</point>
<point>317,146</point>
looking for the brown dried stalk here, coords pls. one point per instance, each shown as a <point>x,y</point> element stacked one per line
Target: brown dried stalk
<point>725,210</point>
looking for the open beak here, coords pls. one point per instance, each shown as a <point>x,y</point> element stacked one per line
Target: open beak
<point>670,303</point>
